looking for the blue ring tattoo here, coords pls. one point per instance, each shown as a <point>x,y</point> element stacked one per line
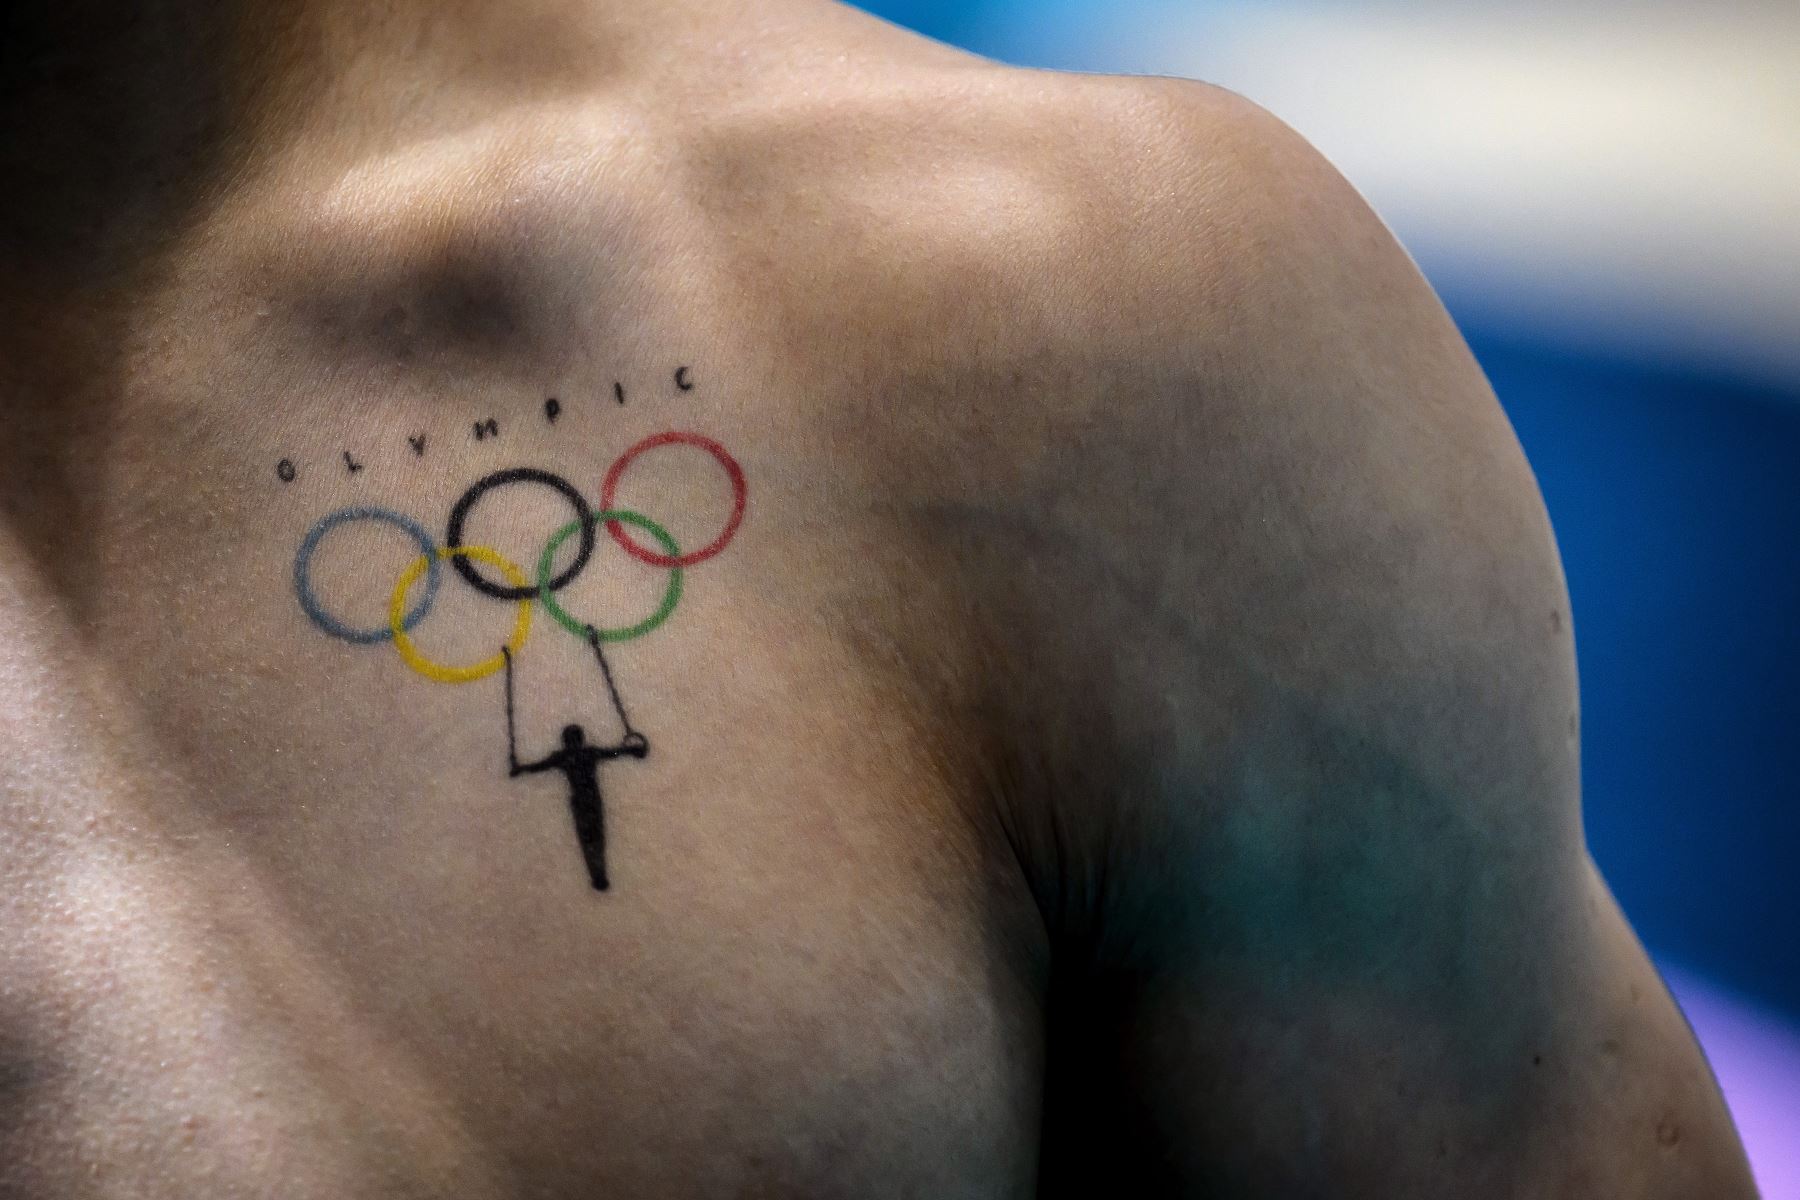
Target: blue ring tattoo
<point>315,611</point>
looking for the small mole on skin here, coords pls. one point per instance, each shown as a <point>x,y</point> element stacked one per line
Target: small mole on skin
<point>1537,1060</point>
<point>1609,1046</point>
<point>1555,621</point>
<point>1667,1131</point>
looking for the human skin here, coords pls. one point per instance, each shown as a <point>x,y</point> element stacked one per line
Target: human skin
<point>1130,746</point>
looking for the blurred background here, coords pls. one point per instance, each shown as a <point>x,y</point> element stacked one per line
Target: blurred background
<point>1608,199</point>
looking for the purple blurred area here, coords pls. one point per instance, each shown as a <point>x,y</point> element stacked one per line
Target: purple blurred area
<point>1609,202</point>
<point>1757,1059</point>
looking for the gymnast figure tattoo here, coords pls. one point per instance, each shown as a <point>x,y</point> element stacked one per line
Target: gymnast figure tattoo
<point>578,760</point>
<point>580,764</point>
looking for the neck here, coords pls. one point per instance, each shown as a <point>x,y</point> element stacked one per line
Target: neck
<point>118,121</point>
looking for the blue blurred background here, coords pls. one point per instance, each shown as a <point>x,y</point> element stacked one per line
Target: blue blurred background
<point>1608,199</point>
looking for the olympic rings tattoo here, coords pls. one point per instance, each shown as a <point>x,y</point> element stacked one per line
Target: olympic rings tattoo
<point>518,588</point>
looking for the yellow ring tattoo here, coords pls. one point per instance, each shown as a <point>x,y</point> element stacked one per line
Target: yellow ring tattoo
<point>435,670</point>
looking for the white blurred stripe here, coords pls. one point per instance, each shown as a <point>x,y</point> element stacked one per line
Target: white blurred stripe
<point>1625,175</point>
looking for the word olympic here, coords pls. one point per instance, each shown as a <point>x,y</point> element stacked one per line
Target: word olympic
<point>487,427</point>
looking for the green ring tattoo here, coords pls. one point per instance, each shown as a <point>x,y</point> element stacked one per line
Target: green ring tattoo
<point>624,633</point>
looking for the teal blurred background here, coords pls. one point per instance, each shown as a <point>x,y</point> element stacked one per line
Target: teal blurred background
<point>1608,199</point>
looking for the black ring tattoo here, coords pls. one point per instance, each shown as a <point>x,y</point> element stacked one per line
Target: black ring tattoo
<point>453,533</point>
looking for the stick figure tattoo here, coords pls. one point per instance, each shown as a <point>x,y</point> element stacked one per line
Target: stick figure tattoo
<point>579,763</point>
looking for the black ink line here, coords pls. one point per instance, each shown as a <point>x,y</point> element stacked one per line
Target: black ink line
<point>611,687</point>
<point>512,754</point>
<point>682,381</point>
<point>352,463</point>
<point>487,429</point>
<point>552,410</point>
<point>418,445</point>
<point>619,391</point>
<point>284,470</point>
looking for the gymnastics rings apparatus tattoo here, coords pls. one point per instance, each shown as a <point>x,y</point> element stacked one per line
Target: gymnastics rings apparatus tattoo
<point>517,587</point>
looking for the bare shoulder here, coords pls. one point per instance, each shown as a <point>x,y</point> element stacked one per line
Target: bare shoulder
<point>1138,335</point>
<point>993,275</point>
<point>1261,627</point>
<point>1266,640</point>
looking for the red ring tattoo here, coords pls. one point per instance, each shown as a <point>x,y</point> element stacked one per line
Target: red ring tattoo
<point>675,438</point>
